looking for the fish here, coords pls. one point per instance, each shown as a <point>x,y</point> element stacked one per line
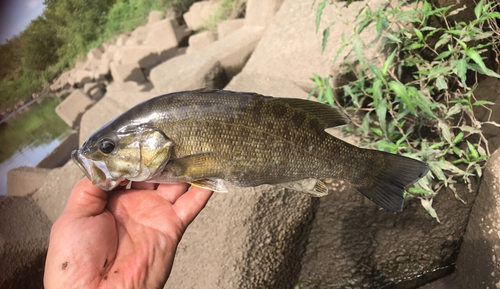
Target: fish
<point>210,137</point>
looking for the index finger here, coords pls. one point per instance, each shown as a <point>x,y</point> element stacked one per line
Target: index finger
<point>190,204</point>
<point>86,199</point>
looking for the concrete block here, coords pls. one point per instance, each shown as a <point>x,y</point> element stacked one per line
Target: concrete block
<point>73,106</point>
<point>189,71</point>
<point>102,70</point>
<point>94,53</point>
<point>61,154</point>
<point>120,41</point>
<point>165,35</point>
<point>25,180</point>
<point>200,40</point>
<point>145,56</point>
<point>154,16</point>
<point>95,90</point>
<point>24,236</point>
<point>112,53</point>
<point>234,50</point>
<point>80,64</point>
<point>227,27</point>
<point>199,13</point>
<point>126,72</point>
<point>83,76</point>
<point>51,198</point>
<point>261,12</point>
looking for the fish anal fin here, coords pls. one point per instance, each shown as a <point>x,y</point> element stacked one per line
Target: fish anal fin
<point>313,187</point>
<point>216,185</point>
<point>330,116</point>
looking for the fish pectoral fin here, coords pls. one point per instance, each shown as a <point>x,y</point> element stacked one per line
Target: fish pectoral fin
<point>313,187</point>
<point>216,185</point>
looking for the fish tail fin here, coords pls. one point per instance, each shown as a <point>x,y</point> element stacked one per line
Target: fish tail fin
<point>385,187</point>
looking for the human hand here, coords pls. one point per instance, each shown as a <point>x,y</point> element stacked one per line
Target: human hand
<point>122,239</point>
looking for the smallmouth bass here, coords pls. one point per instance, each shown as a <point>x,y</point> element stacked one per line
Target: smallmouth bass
<point>206,137</point>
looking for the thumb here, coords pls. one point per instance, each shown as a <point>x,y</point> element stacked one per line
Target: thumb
<point>86,200</point>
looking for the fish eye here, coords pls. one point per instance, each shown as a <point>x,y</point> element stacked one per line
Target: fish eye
<point>106,146</point>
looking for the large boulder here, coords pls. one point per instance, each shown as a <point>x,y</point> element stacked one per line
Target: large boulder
<point>137,36</point>
<point>477,265</point>
<point>61,154</point>
<point>200,40</point>
<point>25,180</point>
<point>199,14</point>
<point>292,49</point>
<point>189,71</point>
<point>489,90</point>
<point>154,16</point>
<point>126,72</point>
<point>165,36</point>
<point>227,27</point>
<point>145,56</point>
<point>95,90</point>
<point>24,236</point>
<point>261,12</point>
<point>73,106</point>
<point>83,76</point>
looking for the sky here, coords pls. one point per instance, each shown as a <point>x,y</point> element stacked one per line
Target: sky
<point>15,15</point>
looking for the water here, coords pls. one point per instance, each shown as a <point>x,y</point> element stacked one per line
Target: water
<point>30,136</point>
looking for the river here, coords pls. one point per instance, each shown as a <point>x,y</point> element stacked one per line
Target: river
<point>29,136</point>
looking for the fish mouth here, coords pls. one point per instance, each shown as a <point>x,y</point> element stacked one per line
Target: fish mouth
<point>96,172</point>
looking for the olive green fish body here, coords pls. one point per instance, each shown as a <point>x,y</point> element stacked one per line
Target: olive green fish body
<point>248,139</point>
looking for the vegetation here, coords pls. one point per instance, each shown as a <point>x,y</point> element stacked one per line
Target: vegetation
<point>25,129</point>
<point>228,9</point>
<point>67,28</point>
<point>414,87</point>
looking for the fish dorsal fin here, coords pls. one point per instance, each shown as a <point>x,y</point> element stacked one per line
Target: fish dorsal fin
<point>331,116</point>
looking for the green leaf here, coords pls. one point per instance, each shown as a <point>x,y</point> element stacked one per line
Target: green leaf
<point>377,92</point>
<point>358,49</point>
<point>478,170</point>
<point>421,191</point>
<point>388,62</point>
<point>321,6</point>
<point>339,52</point>
<point>377,131</point>
<point>400,91</point>
<point>441,83</point>
<point>472,150</point>
<point>461,67</point>
<point>457,151</point>
<point>427,204</point>
<point>472,53</point>
<point>381,111</point>
<point>326,34</point>
<point>454,110</point>
<point>313,91</point>
<point>470,129</point>
<point>483,102</point>
<point>413,46</point>
<point>376,71</point>
<point>479,9</point>
<point>366,124</point>
<point>392,37</point>
<point>444,40</point>
<point>482,70</point>
<point>329,96</point>
<point>418,33</point>
<point>459,137</point>
<point>443,55</point>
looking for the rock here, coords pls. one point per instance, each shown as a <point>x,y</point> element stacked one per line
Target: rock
<point>94,53</point>
<point>234,50</point>
<point>73,106</point>
<point>80,64</point>
<point>165,36</point>
<point>61,154</point>
<point>126,72</point>
<point>248,238</point>
<point>145,56</point>
<point>282,53</point>
<point>200,40</point>
<point>83,76</point>
<point>25,180</point>
<point>154,16</point>
<point>53,195</point>
<point>261,12</point>
<point>95,90</point>
<point>102,70</point>
<point>489,90</point>
<point>227,27</point>
<point>24,236</point>
<point>477,265</point>
<point>120,41</point>
<point>199,13</point>
<point>112,53</point>
<point>189,71</point>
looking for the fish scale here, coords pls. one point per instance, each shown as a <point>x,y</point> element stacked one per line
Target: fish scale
<point>206,137</point>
